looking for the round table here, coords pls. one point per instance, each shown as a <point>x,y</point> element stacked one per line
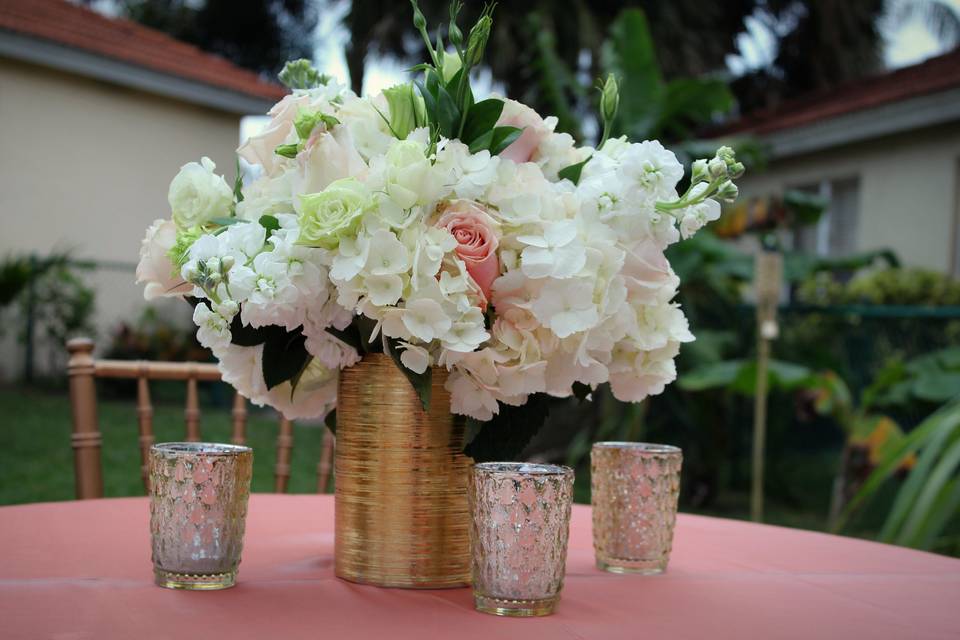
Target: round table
<point>79,570</point>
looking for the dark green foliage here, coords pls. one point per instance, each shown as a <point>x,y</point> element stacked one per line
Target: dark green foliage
<point>504,438</point>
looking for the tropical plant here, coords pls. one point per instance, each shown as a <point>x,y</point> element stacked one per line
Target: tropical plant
<point>929,499</point>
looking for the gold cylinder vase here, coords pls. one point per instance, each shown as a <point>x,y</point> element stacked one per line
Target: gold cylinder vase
<point>401,494</point>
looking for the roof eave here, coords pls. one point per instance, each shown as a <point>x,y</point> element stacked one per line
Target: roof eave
<point>63,58</point>
<point>858,126</point>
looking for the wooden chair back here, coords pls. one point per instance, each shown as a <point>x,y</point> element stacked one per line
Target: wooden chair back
<point>83,370</point>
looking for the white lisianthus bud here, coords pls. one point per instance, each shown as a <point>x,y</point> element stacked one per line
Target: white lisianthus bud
<point>226,263</point>
<point>451,65</point>
<point>609,98</point>
<point>197,195</point>
<point>419,22</point>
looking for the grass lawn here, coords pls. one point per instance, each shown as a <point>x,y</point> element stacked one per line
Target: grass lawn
<point>36,461</point>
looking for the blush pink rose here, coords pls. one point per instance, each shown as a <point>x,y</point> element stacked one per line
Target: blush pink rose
<point>477,242</point>
<point>535,131</point>
<point>155,269</point>
<point>259,149</point>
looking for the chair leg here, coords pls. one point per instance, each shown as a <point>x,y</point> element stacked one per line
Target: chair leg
<point>281,474</point>
<point>86,439</point>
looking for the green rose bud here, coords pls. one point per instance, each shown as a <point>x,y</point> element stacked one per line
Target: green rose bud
<point>332,214</point>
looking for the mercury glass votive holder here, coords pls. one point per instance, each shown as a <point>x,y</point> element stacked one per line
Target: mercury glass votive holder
<point>635,489</point>
<point>518,536</point>
<point>198,509</point>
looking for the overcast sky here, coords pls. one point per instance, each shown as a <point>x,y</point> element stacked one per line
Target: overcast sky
<point>907,43</point>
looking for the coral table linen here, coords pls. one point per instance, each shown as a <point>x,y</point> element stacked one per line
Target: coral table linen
<point>82,570</point>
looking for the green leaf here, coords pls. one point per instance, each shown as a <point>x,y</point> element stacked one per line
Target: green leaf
<point>225,222</point>
<point>481,117</point>
<point>481,142</point>
<point>936,386</point>
<point>269,222</point>
<point>503,137</point>
<point>244,335</point>
<point>284,356</point>
<point>422,383</point>
<point>238,183</point>
<point>506,435</point>
<point>581,391</point>
<point>295,380</point>
<point>939,477</point>
<point>349,336</point>
<point>448,115</point>
<point>630,54</point>
<point>429,101</point>
<point>572,172</point>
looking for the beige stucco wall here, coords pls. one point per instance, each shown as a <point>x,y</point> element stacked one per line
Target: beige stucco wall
<point>85,166</point>
<point>908,190</point>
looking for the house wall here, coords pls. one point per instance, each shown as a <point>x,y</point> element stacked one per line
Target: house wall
<point>84,167</point>
<point>908,191</point>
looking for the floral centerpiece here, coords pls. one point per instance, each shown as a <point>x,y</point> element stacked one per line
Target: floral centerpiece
<point>443,230</point>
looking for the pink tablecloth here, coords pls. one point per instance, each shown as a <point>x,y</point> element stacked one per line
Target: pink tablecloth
<point>82,570</point>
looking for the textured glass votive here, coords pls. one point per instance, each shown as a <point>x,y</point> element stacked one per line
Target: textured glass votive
<point>198,507</point>
<point>635,488</point>
<point>518,537</point>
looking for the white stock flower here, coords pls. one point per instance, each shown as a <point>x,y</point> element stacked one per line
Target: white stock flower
<point>197,195</point>
<point>213,330</point>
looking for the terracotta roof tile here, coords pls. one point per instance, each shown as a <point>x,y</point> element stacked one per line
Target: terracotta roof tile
<point>127,41</point>
<point>932,76</point>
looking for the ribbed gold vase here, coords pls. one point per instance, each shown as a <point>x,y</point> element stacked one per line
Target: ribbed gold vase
<point>401,500</point>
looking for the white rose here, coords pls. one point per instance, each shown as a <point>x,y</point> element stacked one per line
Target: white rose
<point>155,268</point>
<point>197,195</point>
<point>408,175</point>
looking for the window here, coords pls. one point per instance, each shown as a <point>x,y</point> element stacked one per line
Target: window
<point>835,234</point>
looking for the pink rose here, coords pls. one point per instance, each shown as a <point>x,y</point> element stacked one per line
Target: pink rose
<point>535,131</point>
<point>477,242</point>
<point>155,268</point>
